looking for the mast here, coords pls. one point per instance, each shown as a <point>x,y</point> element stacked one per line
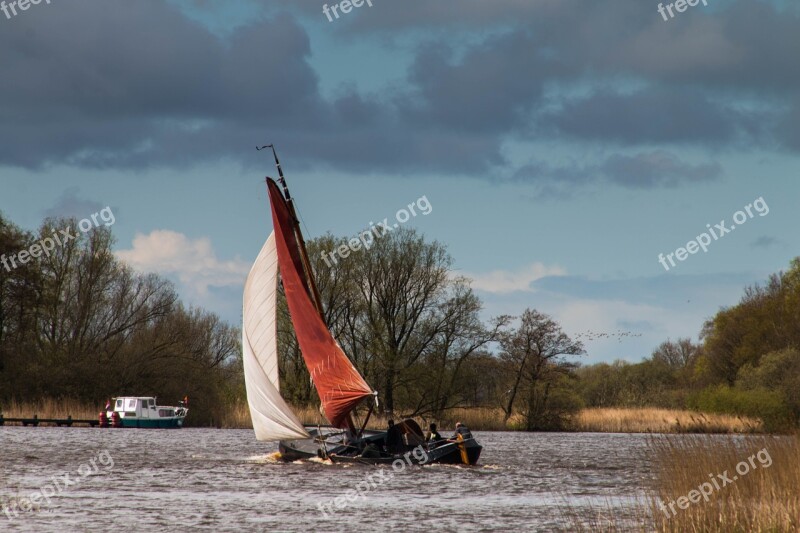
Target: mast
<point>339,384</point>
<point>314,291</point>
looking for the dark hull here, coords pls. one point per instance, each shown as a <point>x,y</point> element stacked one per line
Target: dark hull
<point>162,423</point>
<point>466,452</point>
<point>463,452</point>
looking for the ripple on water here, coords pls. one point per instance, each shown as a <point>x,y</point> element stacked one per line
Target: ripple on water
<point>225,480</point>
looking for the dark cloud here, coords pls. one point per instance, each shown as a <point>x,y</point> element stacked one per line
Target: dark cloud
<point>656,169</point>
<point>492,88</point>
<point>643,170</point>
<point>117,82</point>
<point>114,85</point>
<point>138,84</point>
<point>422,14</point>
<point>652,115</point>
<point>735,44</point>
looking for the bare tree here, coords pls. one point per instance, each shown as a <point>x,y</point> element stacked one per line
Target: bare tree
<point>533,352</point>
<point>400,280</point>
<point>677,355</point>
<point>405,320</point>
<point>463,335</point>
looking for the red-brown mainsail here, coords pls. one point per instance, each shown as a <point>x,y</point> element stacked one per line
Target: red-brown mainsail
<point>339,384</point>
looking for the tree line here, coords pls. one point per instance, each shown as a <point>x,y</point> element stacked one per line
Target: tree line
<point>746,363</point>
<point>79,323</point>
<point>413,328</point>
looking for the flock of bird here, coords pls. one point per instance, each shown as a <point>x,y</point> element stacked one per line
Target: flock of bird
<point>593,336</point>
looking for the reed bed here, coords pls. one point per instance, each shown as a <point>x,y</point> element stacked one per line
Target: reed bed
<point>602,420</point>
<point>654,420</point>
<point>478,418</point>
<point>709,484</point>
<point>237,416</point>
<point>51,408</point>
<point>763,493</point>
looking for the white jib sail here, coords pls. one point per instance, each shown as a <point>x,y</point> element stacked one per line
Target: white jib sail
<point>272,418</point>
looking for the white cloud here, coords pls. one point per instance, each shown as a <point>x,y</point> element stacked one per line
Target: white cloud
<point>192,261</point>
<point>505,281</point>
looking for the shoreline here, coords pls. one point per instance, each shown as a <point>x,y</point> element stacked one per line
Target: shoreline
<point>623,420</point>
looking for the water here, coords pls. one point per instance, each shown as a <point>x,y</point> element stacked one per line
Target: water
<point>224,480</point>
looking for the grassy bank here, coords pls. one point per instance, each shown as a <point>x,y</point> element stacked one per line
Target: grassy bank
<point>238,416</point>
<point>605,420</point>
<point>653,420</point>
<point>50,408</point>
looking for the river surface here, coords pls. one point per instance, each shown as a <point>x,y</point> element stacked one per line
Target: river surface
<point>224,480</point>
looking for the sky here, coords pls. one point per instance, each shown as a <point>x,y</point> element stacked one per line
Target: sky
<point>565,147</point>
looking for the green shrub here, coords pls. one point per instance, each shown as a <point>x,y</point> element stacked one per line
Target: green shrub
<point>765,404</point>
<point>554,413</point>
<point>777,371</point>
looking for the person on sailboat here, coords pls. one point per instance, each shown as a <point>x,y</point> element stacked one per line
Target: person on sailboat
<point>462,430</point>
<point>394,439</point>
<point>371,451</point>
<point>433,436</point>
<point>351,440</point>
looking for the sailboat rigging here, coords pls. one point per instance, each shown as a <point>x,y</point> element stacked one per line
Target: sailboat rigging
<point>339,384</point>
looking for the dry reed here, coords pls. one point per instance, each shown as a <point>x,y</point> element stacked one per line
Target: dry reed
<point>653,420</point>
<point>605,420</point>
<point>478,418</point>
<point>761,495</point>
<point>484,419</point>
<point>709,484</point>
<point>602,420</point>
<point>51,408</point>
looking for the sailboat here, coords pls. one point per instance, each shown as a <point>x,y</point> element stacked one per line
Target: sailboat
<point>340,386</point>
